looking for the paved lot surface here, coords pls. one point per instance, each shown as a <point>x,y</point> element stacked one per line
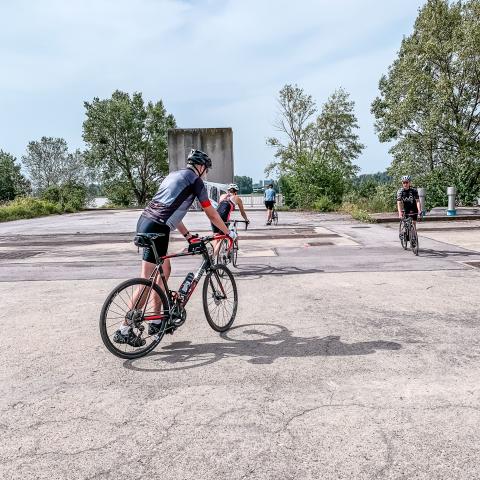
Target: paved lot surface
<point>349,357</point>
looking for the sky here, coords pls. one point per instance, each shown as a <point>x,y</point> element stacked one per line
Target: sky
<point>213,63</point>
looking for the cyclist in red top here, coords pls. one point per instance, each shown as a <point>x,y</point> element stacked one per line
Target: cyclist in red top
<point>226,205</point>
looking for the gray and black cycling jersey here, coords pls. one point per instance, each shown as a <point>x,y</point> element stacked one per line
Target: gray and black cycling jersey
<point>175,196</point>
<point>409,198</point>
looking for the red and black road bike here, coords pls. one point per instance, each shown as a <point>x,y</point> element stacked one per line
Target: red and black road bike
<point>228,254</point>
<point>140,301</point>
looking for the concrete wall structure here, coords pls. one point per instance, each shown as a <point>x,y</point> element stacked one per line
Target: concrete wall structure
<point>216,142</point>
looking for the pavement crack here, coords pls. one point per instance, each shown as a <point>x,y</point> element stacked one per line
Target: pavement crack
<point>388,456</point>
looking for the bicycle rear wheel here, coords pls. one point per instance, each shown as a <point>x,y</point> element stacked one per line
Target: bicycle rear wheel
<point>414,240</point>
<point>275,217</point>
<point>402,234</point>
<point>132,302</point>
<point>220,298</point>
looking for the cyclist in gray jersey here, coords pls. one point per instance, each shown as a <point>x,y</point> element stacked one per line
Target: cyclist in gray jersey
<point>165,213</point>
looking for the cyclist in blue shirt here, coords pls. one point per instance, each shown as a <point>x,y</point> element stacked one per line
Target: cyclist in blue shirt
<point>269,198</point>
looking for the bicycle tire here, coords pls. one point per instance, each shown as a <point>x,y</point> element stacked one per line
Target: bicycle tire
<point>222,254</point>
<point>401,234</point>
<point>212,282</point>
<point>122,350</point>
<point>414,237</point>
<point>275,218</point>
<point>235,253</point>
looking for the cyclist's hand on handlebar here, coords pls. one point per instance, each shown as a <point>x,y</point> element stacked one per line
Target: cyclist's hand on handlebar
<point>192,237</point>
<point>232,234</point>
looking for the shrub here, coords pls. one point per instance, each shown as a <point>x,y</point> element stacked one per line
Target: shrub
<point>119,193</point>
<point>71,196</point>
<point>356,212</point>
<point>323,204</point>
<point>27,207</point>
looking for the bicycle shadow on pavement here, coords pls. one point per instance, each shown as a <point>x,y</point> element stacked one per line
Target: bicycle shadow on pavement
<point>257,271</point>
<point>428,252</point>
<point>259,344</point>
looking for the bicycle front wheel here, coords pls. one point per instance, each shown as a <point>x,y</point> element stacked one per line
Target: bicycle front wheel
<point>402,234</point>
<point>133,302</point>
<point>234,253</point>
<point>275,217</point>
<point>220,298</point>
<point>414,240</point>
<point>223,253</point>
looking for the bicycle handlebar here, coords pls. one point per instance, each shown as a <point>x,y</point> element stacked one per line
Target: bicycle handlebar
<point>246,222</point>
<point>211,238</point>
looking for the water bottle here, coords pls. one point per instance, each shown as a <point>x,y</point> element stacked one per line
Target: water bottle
<point>184,287</point>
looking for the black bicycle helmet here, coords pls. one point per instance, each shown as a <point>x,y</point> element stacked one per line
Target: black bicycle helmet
<point>197,157</point>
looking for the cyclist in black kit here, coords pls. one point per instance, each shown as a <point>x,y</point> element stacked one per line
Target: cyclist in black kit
<point>408,201</point>
<point>226,205</point>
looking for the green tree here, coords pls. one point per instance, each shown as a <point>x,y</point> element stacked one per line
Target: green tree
<point>49,164</point>
<point>127,143</point>
<point>70,196</point>
<point>316,163</point>
<point>295,110</point>
<point>245,184</point>
<point>429,102</point>
<point>333,136</point>
<point>12,182</point>
<point>315,179</point>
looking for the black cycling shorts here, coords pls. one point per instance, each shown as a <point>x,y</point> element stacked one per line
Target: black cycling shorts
<point>145,225</point>
<point>412,214</point>
<point>269,204</point>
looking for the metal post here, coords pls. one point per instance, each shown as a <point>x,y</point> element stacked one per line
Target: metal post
<point>451,192</point>
<point>421,197</point>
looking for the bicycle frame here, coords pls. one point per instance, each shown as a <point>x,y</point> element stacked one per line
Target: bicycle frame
<point>172,295</point>
<point>407,220</point>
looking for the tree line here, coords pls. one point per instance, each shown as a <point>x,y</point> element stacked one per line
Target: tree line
<point>428,109</point>
<point>125,157</point>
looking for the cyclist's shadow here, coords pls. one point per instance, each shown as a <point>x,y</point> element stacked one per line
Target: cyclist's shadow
<point>258,343</point>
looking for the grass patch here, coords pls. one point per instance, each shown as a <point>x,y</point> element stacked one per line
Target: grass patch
<point>356,212</point>
<point>27,207</point>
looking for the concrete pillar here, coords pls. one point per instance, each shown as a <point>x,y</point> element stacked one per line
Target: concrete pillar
<point>217,143</point>
<point>451,192</point>
<point>421,196</point>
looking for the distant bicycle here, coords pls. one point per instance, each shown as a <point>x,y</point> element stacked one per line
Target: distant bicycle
<point>274,215</point>
<point>407,232</point>
<point>225,254</point>
<point>140,301</point>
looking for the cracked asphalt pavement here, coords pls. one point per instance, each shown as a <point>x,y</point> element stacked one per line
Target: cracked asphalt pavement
<point>350,358</point>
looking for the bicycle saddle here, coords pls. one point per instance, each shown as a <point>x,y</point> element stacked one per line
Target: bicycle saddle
<point>145,239</point>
